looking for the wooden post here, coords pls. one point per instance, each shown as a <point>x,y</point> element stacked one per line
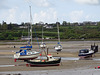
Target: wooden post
<point>47,51</point>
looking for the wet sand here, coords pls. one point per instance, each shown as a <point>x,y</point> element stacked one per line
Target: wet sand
<point>70,49</point>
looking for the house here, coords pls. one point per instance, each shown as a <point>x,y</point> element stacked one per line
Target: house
<point>25,38</point>
<point>23,26</point>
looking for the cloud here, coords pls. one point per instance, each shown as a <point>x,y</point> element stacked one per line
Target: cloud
<point>48,16</point>
<point>8,15</point>
<point>90,17</point>
<point>11,15</point>
<point>92,2</point>
<point>40,3</point>
<point>75,16</point>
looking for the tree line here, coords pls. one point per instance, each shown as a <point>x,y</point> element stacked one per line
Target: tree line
<point>14,32</point>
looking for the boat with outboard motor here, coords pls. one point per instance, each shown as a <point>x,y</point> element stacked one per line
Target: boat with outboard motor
<point>86,53</point>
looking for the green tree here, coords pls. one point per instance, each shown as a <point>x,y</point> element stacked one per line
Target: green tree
<point>10,37</point>
<point>64,23</point>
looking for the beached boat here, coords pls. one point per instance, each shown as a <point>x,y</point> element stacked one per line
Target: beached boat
<point>50,61</point>
<point>86,53</point>
<point>58,47</point>
<point>26,52</point>
<point>42,45</point>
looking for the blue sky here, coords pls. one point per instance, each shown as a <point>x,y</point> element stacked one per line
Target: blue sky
<point>47,11</point>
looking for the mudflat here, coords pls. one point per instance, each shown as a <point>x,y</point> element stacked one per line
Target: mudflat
<point>70,49</point>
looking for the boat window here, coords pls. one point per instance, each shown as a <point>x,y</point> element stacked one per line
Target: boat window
<point>50,57</point>
<point>83,51</point>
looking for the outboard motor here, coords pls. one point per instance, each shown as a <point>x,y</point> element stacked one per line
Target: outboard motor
<point>94,48</point>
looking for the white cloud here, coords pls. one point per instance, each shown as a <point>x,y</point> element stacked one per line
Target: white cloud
<point>75,16</point>
<point>41,3</point>
<point>11,15</point>
<point>92,2</point>
<point>89,17</point>
<point>23,17</point>
<point>48,16</point>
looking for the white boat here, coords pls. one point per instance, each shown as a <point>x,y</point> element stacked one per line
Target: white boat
<point>42,45</point>
<point>26,52</point>
<point>58,47</point>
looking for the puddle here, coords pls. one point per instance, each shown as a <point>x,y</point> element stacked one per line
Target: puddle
<point>6,65</point>
<point>5,56</point>
<point>12,65</point>
<point>70,58</point>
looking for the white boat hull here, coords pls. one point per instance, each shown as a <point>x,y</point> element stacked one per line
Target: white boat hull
<point>58,48</point>
<point>26,57</point>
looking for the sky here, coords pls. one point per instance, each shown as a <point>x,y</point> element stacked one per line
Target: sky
<point>48,11</point>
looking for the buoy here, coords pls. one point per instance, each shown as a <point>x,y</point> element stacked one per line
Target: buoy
<point>27,65</point>
<point>40,54</point>
<point>98,67</point>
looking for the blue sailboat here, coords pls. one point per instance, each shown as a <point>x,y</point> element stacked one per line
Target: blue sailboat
<point>26,52</point>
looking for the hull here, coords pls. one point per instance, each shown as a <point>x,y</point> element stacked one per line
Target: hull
<point>82,56</point>
<point>25,57</point>
<point>85,53</point>
<point>34,65</point>
<point>58,48</point>
<point>44,63</point>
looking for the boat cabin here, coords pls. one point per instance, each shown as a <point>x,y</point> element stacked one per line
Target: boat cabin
<point>50,57</point>
<point>84,51</point>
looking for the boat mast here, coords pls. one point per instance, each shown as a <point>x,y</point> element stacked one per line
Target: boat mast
<point>31,24</point>
<point>58,31</point>
<point>42,34</point>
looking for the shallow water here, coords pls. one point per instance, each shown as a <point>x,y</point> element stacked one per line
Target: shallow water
<point>6,65</point>
<point>62,58</point>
